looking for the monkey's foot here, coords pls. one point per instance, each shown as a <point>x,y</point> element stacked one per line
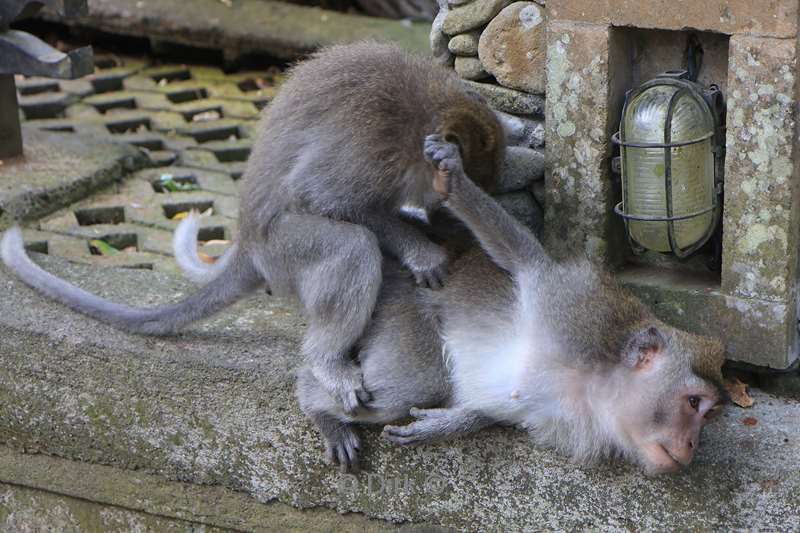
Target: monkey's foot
<point>431,425</point>
<point>345,382</point>
<point>341,448</point>
<point>445,156</point>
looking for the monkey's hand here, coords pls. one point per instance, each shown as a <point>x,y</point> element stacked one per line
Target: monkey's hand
<point>446,159</point>
<point>428,264</point>
<point>434,425</point>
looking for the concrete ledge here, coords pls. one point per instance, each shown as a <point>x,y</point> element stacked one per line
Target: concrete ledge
<point>215,407</point>
<point>283,30</point>
<point>72,495</point>
<point>58,169</point>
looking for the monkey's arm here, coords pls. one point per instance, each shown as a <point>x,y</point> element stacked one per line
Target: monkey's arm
<point>436,424</point>
<point>426,260</point>
<point>510,244</point>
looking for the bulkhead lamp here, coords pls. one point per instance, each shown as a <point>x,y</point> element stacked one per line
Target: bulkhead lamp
<point>671,150</point>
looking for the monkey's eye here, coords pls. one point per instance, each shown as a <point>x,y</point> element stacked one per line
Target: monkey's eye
<point>694,402</point>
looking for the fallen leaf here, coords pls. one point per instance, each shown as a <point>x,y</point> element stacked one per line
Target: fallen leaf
<point>169,183</point>
<point>102,247</point>
<point>738,392</point>
<point>206,116</point>
<point>180,216</point>
<point>749,421</point>
<point>217,241</point>
<point>205,258</point>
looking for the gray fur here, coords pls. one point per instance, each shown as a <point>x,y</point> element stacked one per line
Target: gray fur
<point>336,158</point>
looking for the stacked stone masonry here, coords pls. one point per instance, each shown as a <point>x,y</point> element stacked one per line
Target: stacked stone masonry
<point>498,48</point>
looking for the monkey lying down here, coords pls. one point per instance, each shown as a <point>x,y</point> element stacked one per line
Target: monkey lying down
<point>558,349</point>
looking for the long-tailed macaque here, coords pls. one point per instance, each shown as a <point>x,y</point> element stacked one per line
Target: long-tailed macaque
<point>517,338</point>
<point>336,158</point>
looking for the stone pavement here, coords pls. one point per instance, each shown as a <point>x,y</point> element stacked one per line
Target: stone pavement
<point>214,408</point>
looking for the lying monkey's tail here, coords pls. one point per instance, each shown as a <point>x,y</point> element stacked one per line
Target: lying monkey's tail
<point>184,244</point>
<point>237,280</point>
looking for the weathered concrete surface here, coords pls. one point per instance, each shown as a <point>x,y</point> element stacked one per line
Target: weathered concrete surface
<point>579,120</point>
<point>58,169</point>
<point>283,30</point>
<point>54,494</point>
<point>215,406</point>
<point>777,18</point>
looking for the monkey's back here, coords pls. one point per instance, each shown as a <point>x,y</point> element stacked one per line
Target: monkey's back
<point>341,126</point>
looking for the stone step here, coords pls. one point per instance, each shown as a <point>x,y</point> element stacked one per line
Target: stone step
<point>214,406</point>
<point>285,31</point>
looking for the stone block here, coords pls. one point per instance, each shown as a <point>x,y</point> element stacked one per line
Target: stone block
<point>470,68</point>
<point>465,44</point>
<point>777,18</point>
<point>513,47</point>
<point>521,168</point>
<point>509,100</point>
<point>473,15</point>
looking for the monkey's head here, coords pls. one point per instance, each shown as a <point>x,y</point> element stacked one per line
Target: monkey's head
<point>473,126</point>
<point>671,385</point>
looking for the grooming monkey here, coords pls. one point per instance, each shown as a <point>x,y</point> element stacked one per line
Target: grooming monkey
<point>558,349</point>
<point>336,158</point>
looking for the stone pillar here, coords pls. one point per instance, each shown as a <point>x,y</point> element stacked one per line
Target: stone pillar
<point>580,118</point>
<point>760,224</point>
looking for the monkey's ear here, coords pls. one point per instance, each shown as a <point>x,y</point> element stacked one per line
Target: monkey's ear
<point>642,348</point>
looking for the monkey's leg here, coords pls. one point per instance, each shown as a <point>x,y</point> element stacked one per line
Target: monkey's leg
<point>341,441</point>
<point>510,244</point>
<point>426,260</point>
<point>436,424</point>
<point>335,270</point>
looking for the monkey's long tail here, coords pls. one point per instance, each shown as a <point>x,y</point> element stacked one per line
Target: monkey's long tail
<point>184,244</point>
<point>237,280</point>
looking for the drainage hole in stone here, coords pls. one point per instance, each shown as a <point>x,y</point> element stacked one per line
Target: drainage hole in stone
<point>107,83</point>
<point>172,75</point>
<point>187,95</point>
<point>170,210</point>
<point>129,126</point>
<point>29,87</point>
<point>63,128</point>
<point>121,103</point>
<point>100,215</point>
<point>104,62</point>
<point>120,242</point>
<point>182,182</point>
<point>39,247</point>
<point>151,143</point>
<point>232,154</point>
<point>221,133</point>
<point>213,233</point>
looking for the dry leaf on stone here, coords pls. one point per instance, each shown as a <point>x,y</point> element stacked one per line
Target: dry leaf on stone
<point>99,247</point>
<point>750,421</point>
<point>205,258</point>
<point>738,392</point>
<point>180,216</point>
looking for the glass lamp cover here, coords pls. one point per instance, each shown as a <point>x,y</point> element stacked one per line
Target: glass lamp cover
<point>644,168</point>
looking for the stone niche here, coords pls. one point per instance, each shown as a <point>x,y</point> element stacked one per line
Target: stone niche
<point>596,51</point>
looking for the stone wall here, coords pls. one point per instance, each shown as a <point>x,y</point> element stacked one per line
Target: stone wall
<point>498,47</point>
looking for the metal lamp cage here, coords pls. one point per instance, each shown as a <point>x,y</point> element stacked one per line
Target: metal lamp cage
<point>711,101</point>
